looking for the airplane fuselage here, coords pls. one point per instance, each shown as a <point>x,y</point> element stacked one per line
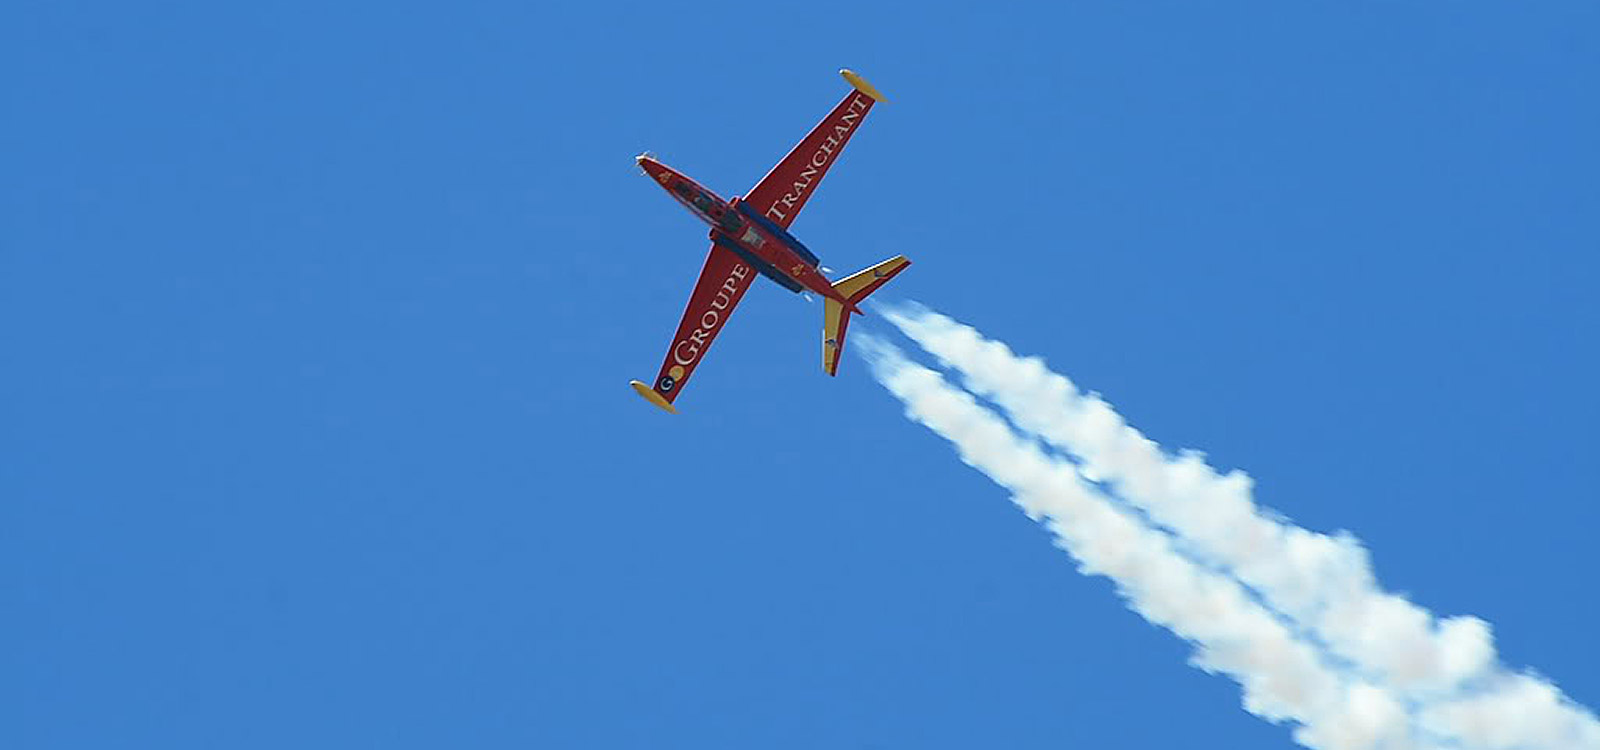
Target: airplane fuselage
<point>750,236</point>
<point>767,247</point>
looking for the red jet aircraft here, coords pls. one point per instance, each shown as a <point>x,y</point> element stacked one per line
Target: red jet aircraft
<point>750,236</point>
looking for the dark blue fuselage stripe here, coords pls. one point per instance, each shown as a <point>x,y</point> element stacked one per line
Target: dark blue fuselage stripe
<point>780,233</point>
<point>762,267</point>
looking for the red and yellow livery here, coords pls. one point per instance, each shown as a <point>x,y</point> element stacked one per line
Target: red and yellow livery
<point>750,236</point>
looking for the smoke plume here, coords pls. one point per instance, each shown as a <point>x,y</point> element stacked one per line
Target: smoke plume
<point>1307,629</point>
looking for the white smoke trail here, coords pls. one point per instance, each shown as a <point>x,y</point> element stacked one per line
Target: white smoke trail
<point>1446,669</point>
<point>1284,678</point>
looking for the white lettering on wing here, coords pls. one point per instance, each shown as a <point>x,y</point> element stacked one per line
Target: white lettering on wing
<point>780,208</point>
<point>688,351</point>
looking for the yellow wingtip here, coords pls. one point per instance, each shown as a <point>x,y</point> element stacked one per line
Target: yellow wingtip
<point>862,85</point>
<point>650,395</point>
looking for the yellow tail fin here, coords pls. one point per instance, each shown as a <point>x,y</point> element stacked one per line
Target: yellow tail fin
<point>854,288</point>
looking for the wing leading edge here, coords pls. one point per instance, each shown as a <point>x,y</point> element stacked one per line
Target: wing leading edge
<point>722,284</point>
<point>784,191</point>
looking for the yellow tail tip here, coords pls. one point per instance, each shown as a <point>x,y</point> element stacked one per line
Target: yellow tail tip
<point>650,395</point>
<point>862,85</point>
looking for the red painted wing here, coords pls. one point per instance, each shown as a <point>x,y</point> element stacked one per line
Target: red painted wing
<point>722,284</point>
<point>784,191</point>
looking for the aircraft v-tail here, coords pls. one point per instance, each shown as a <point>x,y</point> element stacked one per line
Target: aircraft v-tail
<point>750,236</point>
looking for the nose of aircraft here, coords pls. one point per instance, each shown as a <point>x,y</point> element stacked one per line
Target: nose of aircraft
<point>650,166</point>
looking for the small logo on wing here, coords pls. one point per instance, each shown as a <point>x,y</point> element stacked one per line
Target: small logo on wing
<point>666,383</point>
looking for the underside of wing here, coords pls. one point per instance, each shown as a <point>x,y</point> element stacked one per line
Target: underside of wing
<point>784,191</point>
<point>722,284</point>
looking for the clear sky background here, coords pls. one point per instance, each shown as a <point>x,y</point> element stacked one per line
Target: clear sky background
<point>319,319</point>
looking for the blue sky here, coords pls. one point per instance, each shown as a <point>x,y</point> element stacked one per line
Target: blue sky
<point>321,318</point>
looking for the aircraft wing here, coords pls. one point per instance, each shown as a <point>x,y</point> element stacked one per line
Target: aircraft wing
<point>784,191</point>
<point>722,284</point>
